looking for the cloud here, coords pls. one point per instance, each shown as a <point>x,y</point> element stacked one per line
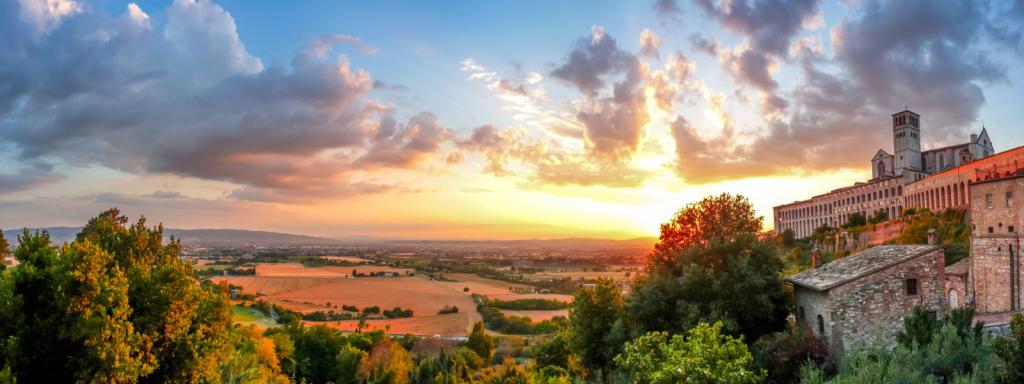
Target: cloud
<point>27,178</point>
<point>190,100</point>
<point>667,8</point>
<point>838,113</point>
<point>768,28</point>
<point>166,195</point>
<point>702,44</point>
<point>649,43</point>
<point>405,146</point>
<point>590,60</point>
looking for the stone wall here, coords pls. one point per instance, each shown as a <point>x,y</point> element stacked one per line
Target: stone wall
<point>809,305</point>
<point>995,224</point>
<point>958,284</point>
<point>873,307</point>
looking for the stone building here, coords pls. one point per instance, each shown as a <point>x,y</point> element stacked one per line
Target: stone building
<point>997,217</point>
<point>865,296</point>
<point>909,178</point>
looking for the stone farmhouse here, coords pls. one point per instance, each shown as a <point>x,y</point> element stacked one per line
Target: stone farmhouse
<point>865,296</point>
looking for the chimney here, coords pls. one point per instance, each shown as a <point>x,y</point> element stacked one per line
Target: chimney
<point>974,138</point>
<point>815,257</point>
<point>933,237</point>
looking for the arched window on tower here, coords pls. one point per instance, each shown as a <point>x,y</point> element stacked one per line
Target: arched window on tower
<point>881,168</point>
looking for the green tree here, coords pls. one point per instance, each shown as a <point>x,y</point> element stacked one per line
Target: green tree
<point>713,263</point>
<point>1011,350</point>
<point>115,305</point>
<point>704,356</point>
<point>855,219</point>
<point>596,326</point>
<point>481,343</point>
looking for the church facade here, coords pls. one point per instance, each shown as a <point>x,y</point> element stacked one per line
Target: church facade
<point>906,178</point>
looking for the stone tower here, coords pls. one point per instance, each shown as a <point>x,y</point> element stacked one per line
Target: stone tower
<point>906,138</point>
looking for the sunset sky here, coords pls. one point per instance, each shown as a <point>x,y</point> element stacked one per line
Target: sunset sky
<point>473,119</point>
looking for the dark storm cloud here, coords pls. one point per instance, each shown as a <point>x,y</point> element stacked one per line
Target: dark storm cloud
<point>190,100</point>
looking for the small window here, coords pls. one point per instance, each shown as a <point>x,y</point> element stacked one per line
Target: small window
<point>991,230</point>
<point>911,287</point>
<point>1010,229</point>
<point>800,315</point>
<point>821,326</point>
<point>1009,199</point>
<point>988,200</point>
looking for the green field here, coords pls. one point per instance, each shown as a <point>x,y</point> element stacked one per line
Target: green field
<point>246,316</point>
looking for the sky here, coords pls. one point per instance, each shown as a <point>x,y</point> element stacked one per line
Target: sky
<point>477,120</point>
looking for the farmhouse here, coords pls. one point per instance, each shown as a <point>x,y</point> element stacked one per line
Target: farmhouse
<point>865,296</point>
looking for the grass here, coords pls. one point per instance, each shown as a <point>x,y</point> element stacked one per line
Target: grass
<point>245,315</point>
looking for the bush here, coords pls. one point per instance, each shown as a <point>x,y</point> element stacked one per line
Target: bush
<point>782,354</point>
<point>448,309</point>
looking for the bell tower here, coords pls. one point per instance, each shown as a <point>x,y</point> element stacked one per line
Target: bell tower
<point>906,138</point>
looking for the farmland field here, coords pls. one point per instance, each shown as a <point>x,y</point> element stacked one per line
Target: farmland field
<point>310,289</point>
<point>537,316</point>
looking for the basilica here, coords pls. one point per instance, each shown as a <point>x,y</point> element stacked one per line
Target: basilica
<point>906,178</point>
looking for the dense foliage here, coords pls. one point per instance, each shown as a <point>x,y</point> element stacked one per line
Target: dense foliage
<point>116,305</point>
<point>712,263</point>
<point>705,355</point>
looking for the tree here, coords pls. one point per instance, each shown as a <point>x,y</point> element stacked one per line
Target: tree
<point>879,217</point>
<point>596,326</point>
<point>5,251</point>
<point>1011,350</point>
<point>705,355</point>
<point>387,363</point>
<point>480,342</point>
<point>115,305</point>
<point>507,373</point>
<point>788,237</point>
<point>855,219</point>
<point>712,263</point>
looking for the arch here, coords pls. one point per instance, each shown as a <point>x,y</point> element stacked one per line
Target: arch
<point>881,168</point>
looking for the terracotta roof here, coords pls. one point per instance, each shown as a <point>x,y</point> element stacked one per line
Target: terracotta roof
<point>855,266</point>
<point>960,267</point>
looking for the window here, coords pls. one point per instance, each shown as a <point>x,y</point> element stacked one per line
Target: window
<point>1009,199</point>
<point>1010,229</point>
<point>821,326</point>
<point>800,315</point>
<point>911,287</point>
<point>988,200</point>
<point>990,230</point>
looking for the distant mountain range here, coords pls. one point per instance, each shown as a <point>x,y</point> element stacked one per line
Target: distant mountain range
<point>203,237</point>
<point>228,237</point>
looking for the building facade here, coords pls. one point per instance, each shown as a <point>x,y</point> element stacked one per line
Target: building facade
<point>997,216</point>
<point>907,178</point>
<point>858,299</point>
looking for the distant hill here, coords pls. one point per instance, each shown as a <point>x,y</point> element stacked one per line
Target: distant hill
<point>230,237</point>
<point>203,237</point>
<point>582,243</point>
